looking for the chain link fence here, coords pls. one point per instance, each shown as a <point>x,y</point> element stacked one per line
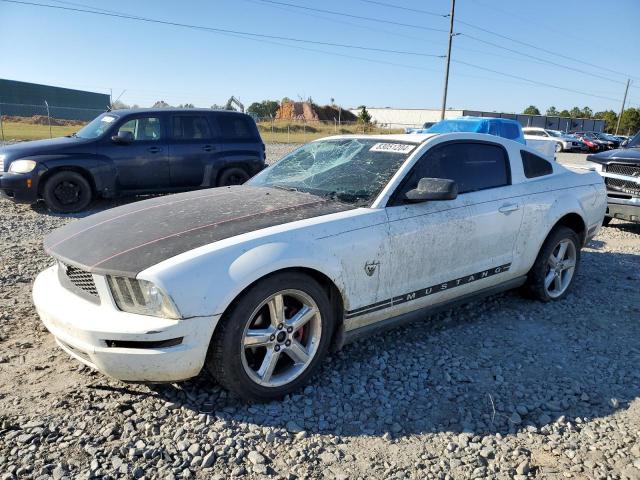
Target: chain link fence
<point>33,122</point>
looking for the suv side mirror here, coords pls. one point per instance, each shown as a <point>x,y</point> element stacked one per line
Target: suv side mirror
<point>624,143</point>
<point>432,189</point>
<point>123,137</point>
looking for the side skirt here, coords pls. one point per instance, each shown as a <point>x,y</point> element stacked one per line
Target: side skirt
<point>393,322</point>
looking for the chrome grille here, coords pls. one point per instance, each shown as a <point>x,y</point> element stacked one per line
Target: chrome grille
<point>632,188</point>
<point>80,279</point>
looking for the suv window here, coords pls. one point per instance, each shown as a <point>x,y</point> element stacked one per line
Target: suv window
<point>190,127</point>
<point>535,166</point>
<point>473,166</point>
<point>143,129</point>
<point>236,127</point>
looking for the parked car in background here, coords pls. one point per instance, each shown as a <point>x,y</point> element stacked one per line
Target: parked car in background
<point>592,143</point>
<point>621,171</point>
<point>595,137</point>
<point>343,237</point>
<point>127,152</point>
<point>561,142</point>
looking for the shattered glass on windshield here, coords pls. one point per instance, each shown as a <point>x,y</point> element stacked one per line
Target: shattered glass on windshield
<point>350,170</point>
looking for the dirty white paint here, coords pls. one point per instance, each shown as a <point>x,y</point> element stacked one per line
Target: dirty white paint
<point>412,247</point>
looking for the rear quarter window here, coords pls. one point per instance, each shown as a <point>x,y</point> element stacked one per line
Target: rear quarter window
<point>236,127</point>
<point>535,166</point>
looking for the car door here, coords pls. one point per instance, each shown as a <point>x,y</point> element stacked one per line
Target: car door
<point>142,163</point>
<point>440,250</point>
<point>191,149</point>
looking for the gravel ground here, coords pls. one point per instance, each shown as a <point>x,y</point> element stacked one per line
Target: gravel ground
<point>503,388</point>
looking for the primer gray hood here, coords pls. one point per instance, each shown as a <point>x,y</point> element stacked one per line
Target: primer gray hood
<point>128,239</point>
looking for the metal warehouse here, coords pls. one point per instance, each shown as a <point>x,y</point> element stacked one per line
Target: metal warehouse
<point>416,117</point>
<point>25,99</point>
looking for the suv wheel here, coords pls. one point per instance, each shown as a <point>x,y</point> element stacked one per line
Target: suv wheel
<point>67,192</point>
<point>233,176</point>
<point>273,338</point>
<point>555,268</point>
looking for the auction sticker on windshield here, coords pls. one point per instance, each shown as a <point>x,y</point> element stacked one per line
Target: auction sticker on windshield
<point>392,147</point>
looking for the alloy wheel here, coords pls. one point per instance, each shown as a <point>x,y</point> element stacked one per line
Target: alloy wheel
<point>561,266</point>
<point>281,338</point>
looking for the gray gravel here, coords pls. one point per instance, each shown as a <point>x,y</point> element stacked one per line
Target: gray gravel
<point>503,388</point>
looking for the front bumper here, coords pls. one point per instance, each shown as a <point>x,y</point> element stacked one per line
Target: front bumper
<point>94,334</point>
<point>623,208</point>
<point>19,187</point>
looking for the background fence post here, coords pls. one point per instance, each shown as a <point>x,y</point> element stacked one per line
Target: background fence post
<point>288,133</point>
<point>48,118</point>
<point>1,126</point>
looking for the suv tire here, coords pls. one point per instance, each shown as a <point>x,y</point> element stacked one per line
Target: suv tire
<point>232,176</point>
<point>67,192</point>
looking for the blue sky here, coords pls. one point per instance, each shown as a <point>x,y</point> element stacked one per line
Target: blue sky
<point>178,65</point>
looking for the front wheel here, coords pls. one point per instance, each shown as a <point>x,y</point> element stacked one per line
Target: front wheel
<point>552,274</point>
<point>273,338</point>
<point>558,147</point>
<point>67,192</point>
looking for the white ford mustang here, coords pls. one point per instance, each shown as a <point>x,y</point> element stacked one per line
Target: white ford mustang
<point>342,237</point>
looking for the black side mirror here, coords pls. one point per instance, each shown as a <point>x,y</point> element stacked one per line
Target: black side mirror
<point>124,137</point>
<point>432,189</point>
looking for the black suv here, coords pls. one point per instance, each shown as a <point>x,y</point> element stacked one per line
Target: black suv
<point>126,152</point>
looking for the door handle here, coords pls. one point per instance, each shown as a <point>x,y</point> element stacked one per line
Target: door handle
<point>508,208</point>
<point>154,149</point>
<point>208,148</point>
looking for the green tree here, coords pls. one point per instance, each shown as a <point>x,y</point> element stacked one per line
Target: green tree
<point>552,112</point>
<point>264,109</point>
<point>531,110</point>
<point>587,112</point>
<point>364,117</point>
<point>564,113</point>
<point>575,112</point>
<point>610,119</point>
<point>630,121</point>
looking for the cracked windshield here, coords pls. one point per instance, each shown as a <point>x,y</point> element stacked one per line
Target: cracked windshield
<point>350,170</point>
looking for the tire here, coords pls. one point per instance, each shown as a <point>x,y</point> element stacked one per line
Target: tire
<point>233,176</point>
<point>606,221</point>
<point>558,147</point>
<point>244,369</point>
<point>67,192</point>
<point>538,277</point>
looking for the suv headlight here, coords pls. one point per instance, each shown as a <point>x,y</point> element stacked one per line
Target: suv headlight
<point>141,297</point>
<point>22,166</point>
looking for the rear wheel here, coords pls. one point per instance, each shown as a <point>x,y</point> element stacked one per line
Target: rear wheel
<point>233,176</point>
<point>67,192</point>
<point>553,272</point>
<point>273,338</point>
<point>606,221</point>
<point>558,147</point>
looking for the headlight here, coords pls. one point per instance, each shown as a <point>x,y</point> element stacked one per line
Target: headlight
<point>141,297</point>
<point>22,166</point>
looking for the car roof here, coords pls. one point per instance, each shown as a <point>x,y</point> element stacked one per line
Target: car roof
<point>129,111</point>
<point>416,138</point>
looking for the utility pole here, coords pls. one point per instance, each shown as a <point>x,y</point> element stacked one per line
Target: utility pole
<point>624,100</point>
<point>446,72</point>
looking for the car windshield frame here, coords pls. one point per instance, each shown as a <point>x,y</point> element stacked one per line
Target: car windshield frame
<point>93,130</point>
<point>352,170</point>
<point>635,141</point>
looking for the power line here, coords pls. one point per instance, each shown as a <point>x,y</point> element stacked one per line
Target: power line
<point>225,31</point>
<point>535,82</point>
<point>415,10</point>
<point>360,17</point>
<point>567,57</point>
<point>271,38</point>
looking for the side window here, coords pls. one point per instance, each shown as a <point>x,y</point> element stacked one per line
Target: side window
<point>510,131</point>
<point>190,127</point>
<point>535,166</point>
<point>143,129</point>
<point>235,127</point>
<point>473,166</point>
